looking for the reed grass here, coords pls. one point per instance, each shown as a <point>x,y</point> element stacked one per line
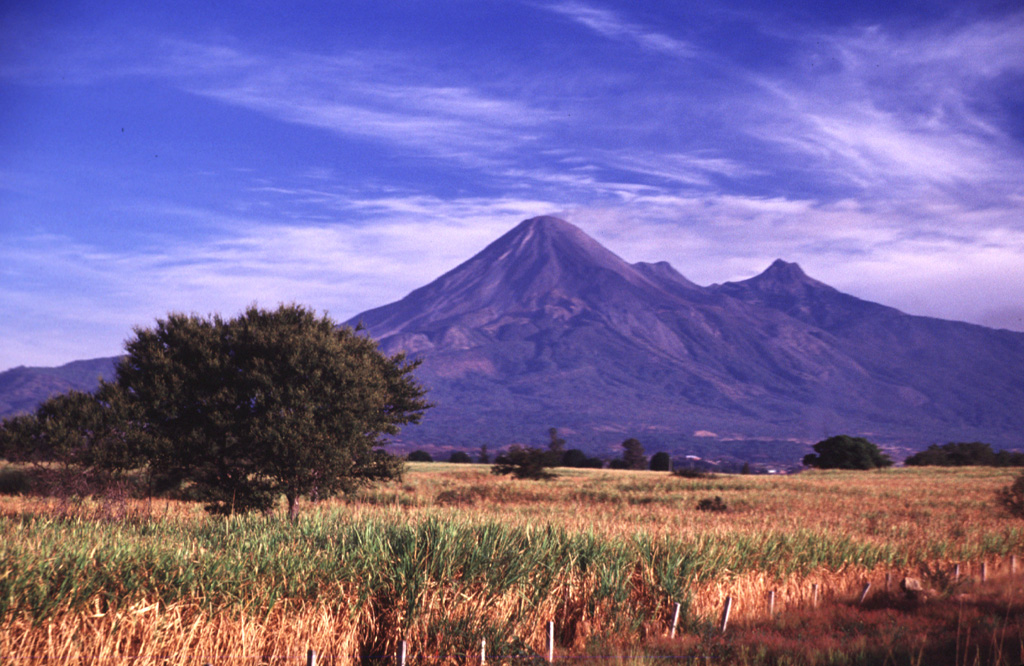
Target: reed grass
<point>451,556</point>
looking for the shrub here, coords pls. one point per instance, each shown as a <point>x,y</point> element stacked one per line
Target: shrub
<point>523,463</point>
<point>419,456</point>
<point>692,473</point>
<point>1012,497</point>
<point>708,504</point>
<point>14,481</point>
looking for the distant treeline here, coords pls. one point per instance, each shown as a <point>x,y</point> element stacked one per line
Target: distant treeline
<point>570,458</point>
<point>961,454</point>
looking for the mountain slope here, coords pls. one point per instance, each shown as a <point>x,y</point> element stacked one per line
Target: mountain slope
<point>22,389</point>
<point>966,375</point>
<point>545,327</point>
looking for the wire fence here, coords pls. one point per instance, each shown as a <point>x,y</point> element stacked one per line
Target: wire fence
<point>404,657</point>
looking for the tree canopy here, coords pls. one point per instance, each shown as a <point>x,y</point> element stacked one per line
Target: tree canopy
<point>845,452</point>
<point>633,454</point>
<point>661,462</point>
<point>268,403</point>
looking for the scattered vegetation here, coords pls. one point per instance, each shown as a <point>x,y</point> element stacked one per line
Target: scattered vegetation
<point>692,473</point>
<point>708,504</point>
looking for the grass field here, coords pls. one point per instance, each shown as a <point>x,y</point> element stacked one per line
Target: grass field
<point>452,556</point>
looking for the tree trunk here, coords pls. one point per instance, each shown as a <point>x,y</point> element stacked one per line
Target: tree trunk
<point>293,507</point>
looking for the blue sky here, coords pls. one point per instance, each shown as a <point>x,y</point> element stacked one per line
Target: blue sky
<point>200,157</point>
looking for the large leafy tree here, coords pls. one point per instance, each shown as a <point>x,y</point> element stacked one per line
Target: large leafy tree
<point>845,452</point>
<point>268,403</point>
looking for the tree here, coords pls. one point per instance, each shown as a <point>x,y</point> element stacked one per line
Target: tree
<point>484,457</point>
<point>268,403</point>
<point>577,458</point>
<point>523,463</point>
<point>419,455</point>
<point>845,452</point>
<point>661,462</point>
<point>459,457</point>
<point>633,454</point>
<point>961,454</point>
<point>88,435</point>
<point>556,448</point>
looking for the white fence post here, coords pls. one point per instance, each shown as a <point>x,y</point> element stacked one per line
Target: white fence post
<point>725,613</point>
<point>675,621</point>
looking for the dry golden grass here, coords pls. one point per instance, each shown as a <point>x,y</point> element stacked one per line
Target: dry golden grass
<point>834,529</point>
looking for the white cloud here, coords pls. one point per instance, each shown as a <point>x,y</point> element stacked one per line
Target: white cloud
<point>960,268</point>
<point>99,295</point>
<point>898,115</point>
<point>376,95</point>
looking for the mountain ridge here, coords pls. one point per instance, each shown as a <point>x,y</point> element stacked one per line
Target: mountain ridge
<point>545,328</point>
<point>777,355</point>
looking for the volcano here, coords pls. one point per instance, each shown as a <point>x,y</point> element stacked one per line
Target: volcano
<point>547,328</point>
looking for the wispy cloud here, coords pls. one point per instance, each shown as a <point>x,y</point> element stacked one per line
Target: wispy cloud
<point>343,269</point>
<point>613,26</point>
<point>901,114</point>
<point>369,95</point>
<point>885,160</point>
